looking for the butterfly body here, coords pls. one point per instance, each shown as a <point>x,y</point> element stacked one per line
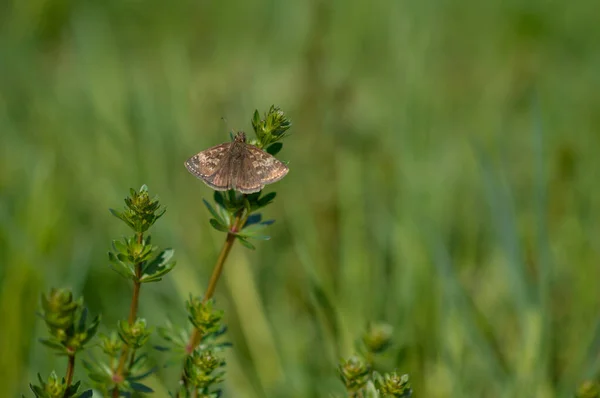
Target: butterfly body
<point>236,165</point>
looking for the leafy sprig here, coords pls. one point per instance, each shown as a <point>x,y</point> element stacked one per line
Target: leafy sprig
<point>70,332</point>
<point>357,374</point>
<point>135,258</point>
<point>67,324</point>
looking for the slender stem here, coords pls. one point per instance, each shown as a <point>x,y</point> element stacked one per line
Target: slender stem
<point>136,295</point>
<point>196,335</point>
<point>214,278</point>
<point>115,392</point>
<point>212,285</point>
<point>70,371</point>
<point>133,309</point>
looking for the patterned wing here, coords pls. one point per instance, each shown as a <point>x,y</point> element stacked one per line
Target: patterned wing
<point>211,166</point>
<point>258,169</point>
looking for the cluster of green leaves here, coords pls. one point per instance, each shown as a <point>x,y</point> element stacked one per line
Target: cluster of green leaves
<point>134,258</point>
<point>58,388</point>
<point>233,210</point>
<point>203,365</point>
<point>70,332</point>
<point>122,369</point>
<point>128,254</point>
<point>141,211</point>
<point>358,375</point>
<point>66,320</point>
<point>273,127</point>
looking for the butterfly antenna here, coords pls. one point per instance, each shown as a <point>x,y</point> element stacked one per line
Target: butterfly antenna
<point>231,132</point>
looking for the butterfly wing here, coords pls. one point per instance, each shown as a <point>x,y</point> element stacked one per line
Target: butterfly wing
<point>258,169</point>
<point>211,166</point>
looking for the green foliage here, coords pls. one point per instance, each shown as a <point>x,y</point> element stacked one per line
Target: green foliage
<point>272,128</point>
<point>141,212</point>
<point>232,207</point>
<point>137,251</point>
<point>393,385</point>
<point>203,368</point>
<point>358,375</point>
<point>58,388</point>
<point>111,344</point>
<point>354,373</point>
<point>135,335</point>
<point>377,338</point>
<point>203,371</point>
<point>66,320</point>
<point>387,99</point>
<point>123,369</point>
<point>67,323</point>
<point>176,337</point>
<point>104,378</point>
<point>203,316</point>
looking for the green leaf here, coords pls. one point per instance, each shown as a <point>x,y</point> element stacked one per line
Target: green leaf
<point>160,261</point>
<point>116,213</point>
<point>72,390</point>
<point>122,217</point>
<point>85,394</point>
<point>92,329</point>
<point>119,247</point>
<point>140,360</point>
<point>245,243</point>
<point>37,391</point>
<point>253,219</point>
<point>98,371</point>
<point>267,199</point>
<point>232,196</point>
<point>157,276</point>
<point>371,391</point>
<point>256,121</point>
<point>274,149</point>
<point>258,237</point>
<point>120,267</point>
<point>217,226</point>
<point>219,199</point>
<point>255,229</point>
<point>55,345</point>
<point>82,320</point>
<point>214,213</point>
<point>225,215</point>
<point>142,375</point>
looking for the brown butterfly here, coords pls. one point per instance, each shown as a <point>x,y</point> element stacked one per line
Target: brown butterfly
<point>236,165</point>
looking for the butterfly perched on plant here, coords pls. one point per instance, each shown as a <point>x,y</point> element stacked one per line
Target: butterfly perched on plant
<point>236,165</point>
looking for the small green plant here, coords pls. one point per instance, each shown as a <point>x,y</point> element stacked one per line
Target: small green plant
<point>238,216</point>
<point>358,375</point>
<point>70,333</point>
<point>122,368</point>
<point>125,360</point>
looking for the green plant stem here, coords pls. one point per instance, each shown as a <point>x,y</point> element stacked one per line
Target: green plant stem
<point>70,371</point>
<point>196,336</point>
<point>216,274</point>
<point>133,309</point>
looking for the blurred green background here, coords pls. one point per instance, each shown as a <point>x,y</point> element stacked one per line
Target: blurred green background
<point>443,165</point>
